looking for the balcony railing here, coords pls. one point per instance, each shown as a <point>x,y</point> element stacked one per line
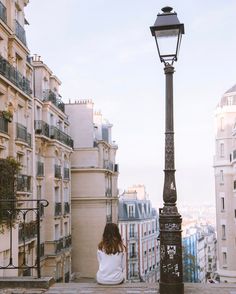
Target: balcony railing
<point>23,183</point>
<point>133,255</point>
<point>66,173</point>
<point>59,135</point>
<point>20,32</point>
<point>3,13</point>
<point>40,169</point>
<point>49,95</point>
<point>58,209</point>
<point>21,132</point>
<point>133,235</point>
<point>66,207</point>
<point>14,76</point>
<point>67,241</point>
<point>41,128</point>
<point>59,245</point>
<point>3,125</point>
<point>57,171</point>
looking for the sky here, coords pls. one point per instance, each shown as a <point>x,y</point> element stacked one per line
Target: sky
<point>103,50</point>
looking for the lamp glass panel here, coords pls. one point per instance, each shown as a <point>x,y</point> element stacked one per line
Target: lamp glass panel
<point>167,41</point>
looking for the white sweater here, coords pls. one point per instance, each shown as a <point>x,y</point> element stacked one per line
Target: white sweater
<point>111,268</point>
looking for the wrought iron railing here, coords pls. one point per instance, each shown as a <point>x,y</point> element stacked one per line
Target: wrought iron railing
<point>49,95</point>
<point>59,245</point>
<point>41,128</point>
<point>67,241</point>
<point>23,183</point>
<point>133,235</point>
<point>24,234</point>
<point>40,169</point>
<point>57,171</point>
<point>58,209</point>
<point>22,134</point>
<point>14,76</point>
<point>66,207</point>
<point>20,32</point>
<point>133,255</point>
<point>3,125</point>
<point>66,173</point>
<point>3,13</point>
<point>59,135</point>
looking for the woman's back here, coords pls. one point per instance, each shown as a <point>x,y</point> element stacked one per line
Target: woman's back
<point>111,256</point>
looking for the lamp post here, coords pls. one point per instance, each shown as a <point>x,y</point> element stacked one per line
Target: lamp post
<point>168,31</point>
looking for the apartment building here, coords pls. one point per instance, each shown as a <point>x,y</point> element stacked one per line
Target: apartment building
<point>139,231</point>
<point>94,175</point>
<point>53,149</point>
<point>225,184</point>
<point>199,253</point>
<point>33,131</point>
<point>16,126</point>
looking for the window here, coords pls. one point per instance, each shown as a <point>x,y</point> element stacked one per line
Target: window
<point>131,212</point>
<point>57,232</point>
<point>235,213</point>
<point>221,175</point>
<point>235,185</point>
<point>39,192</point>
<point>224,258</point>
<point>222,147</point>
<point>131,230</point>
<point>222,203</point>
<point>223,232</point>
<point>57,194</point>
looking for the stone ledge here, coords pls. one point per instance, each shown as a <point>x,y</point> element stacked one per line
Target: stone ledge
<point>26,282</point>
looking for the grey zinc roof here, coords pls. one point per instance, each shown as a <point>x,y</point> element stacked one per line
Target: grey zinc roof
<point>231,90</point>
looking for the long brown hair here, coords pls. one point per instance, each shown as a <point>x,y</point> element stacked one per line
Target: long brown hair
<point>111,240</point>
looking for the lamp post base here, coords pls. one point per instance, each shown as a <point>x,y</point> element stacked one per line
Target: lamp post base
<point>171,288</point>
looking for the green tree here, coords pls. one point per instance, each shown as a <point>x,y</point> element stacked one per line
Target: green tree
<point>9,169</point>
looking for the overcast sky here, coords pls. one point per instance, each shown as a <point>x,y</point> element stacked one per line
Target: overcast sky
<point>103,50</point>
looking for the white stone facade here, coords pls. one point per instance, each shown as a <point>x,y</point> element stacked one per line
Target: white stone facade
<point>225,185</point>
<point>94,184</point>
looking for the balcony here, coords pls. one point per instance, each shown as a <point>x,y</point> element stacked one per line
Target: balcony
<point>59,245</point>
<point>49,95</point>
<point>66,207</point>
<point>40,169</point>
<point>22,135</point>
<point>20,32</point>
<point>66,174</point>
<point>14,76</point>
<point>58,209</point>
<point>57,171</point>
<point>41,128</point>
<point>133,255</point>
<point>59,135</point>
<point>108,192</point>
<point>23,183</point>
<point>3,125</point>
<point>133,235</point>
<point>67,241</point>
<point>3,13</point>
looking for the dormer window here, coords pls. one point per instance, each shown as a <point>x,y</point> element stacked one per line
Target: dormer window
<point>131,210</point>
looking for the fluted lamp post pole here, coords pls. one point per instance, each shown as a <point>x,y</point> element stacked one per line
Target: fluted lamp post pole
<point>168,31</point>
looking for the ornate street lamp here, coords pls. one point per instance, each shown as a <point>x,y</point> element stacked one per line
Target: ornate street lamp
<point>168,31</point>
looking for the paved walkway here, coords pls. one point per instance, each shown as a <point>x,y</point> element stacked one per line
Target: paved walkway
<point>127,288</point>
